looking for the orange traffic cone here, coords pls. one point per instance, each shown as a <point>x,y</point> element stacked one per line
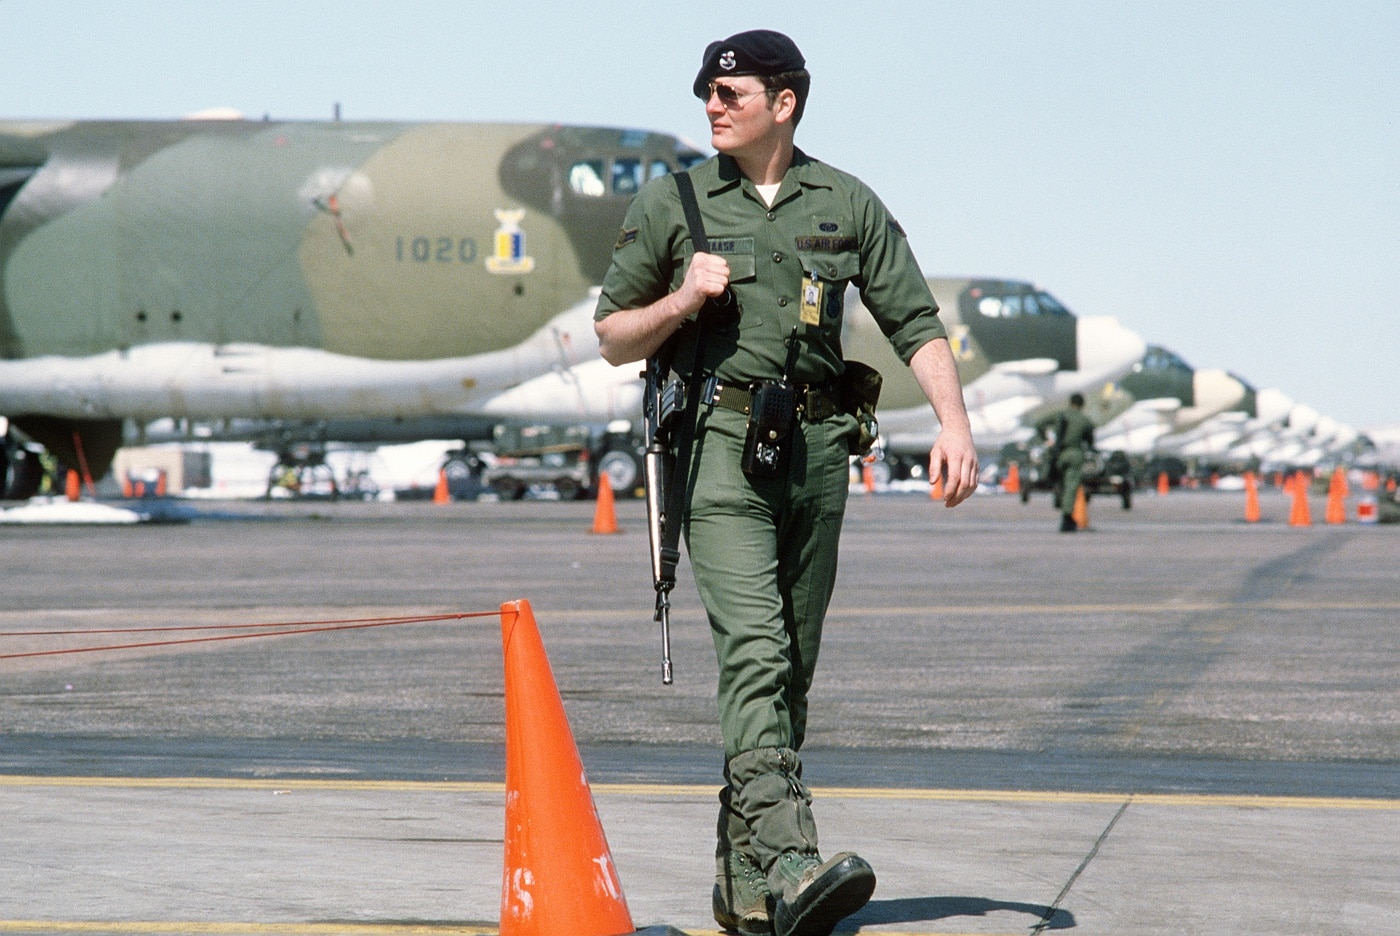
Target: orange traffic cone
<point>1300,515</point>
<point>1251,498</point>
<point>1080,514</point>
<point>559,875</point>
<point>1012,484</point>
<point>604,515</point>
<point>1336,498</point>
<point>867,478</point>
<point>1163,484</point>
<point>442,494</point>
<point>127,489</point>
<point>72,488</point>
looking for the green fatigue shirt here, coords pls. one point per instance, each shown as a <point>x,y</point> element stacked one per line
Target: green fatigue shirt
<point>1074,430</point>
<point>789,265</point>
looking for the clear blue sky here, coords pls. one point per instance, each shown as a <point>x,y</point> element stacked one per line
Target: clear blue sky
<point>1222,176</point>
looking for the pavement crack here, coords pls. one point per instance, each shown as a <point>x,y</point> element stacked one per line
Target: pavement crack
<point>1054,907</point>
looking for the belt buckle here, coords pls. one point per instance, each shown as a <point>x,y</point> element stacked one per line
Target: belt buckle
<point>709,390</point>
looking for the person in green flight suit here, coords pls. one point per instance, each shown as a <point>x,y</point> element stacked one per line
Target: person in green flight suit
<point>786,234</point>
<point>1074,436</point>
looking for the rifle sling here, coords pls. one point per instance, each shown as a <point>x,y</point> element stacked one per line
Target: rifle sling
<point>685,437</point>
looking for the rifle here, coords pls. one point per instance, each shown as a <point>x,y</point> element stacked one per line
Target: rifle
<point>668,418</point>
<point>662,407</point>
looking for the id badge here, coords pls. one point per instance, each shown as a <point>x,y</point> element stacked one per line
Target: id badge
<point>813,289</point>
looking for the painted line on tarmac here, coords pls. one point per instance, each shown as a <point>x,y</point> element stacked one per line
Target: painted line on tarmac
<point>912,794</point>
<point>233,929</point>
<point>206,928</point>
<point>1165,607</point>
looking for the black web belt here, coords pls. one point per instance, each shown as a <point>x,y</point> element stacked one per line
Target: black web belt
<point>815,402</point>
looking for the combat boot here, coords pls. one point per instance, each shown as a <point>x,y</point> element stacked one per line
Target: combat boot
<point>812,896</point>
<point>742,900</point>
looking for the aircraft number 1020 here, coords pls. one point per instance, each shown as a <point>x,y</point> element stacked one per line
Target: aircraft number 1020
<point>436,249</point>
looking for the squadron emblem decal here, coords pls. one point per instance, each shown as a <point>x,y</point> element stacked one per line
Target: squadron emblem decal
<point>726,60</point>
<point>961,342</point>
<point>510,256</point>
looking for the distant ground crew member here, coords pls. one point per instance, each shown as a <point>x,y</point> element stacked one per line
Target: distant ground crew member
<point>786,234</point>
<point>1074,436</point>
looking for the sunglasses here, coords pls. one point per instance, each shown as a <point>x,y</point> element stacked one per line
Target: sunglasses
<point>730,98</point>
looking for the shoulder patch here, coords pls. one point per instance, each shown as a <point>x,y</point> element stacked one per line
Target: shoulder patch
<point>627,236</point>
<point>894,226</point>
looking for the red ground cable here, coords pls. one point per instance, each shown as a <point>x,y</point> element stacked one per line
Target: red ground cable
<point>359,624</point>
<point>416,619</point>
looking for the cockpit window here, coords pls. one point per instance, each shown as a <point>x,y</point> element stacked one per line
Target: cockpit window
<point>1049,305</point>
<point>586,178</point>
<point>1160,359</point>
<point>1014,300</point>
<point>627,176</point>
<point>623,175</point>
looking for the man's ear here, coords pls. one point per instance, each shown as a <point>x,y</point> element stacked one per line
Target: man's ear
<point>785,105</point>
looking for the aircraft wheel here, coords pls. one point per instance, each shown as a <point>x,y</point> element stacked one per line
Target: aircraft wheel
<point>463,477</point>
<point>1126,491</point>
<point>21,472</point>
<point>568,489</point>
<point>1025,492</point>
<point>623,469</point>
<point>508,489</point>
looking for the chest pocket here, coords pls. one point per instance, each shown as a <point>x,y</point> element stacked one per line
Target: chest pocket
<point>835,271</point>
<point>738,252</point>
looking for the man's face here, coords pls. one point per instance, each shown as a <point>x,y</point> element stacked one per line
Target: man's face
<point>744,120</point>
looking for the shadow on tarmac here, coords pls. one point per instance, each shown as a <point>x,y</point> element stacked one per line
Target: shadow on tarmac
<point>929,909</point>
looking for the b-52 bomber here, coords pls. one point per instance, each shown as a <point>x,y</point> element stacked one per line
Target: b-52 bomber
<point>297,273</point>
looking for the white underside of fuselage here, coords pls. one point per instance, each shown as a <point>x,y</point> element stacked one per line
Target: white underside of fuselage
<point>193,380</point>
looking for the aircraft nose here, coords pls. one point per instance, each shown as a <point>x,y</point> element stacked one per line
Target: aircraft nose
<point>1274,405</point>
<point>1216,390</point>
<point>1106,346</point>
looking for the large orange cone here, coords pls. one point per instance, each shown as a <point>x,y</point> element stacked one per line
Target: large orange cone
<point>605,514</point>
<point>1300,515</point>
<point>867,478</point>
<point>1163,484</point>
<point>559,876</point>
<point>442,494</point>
<point>72,488</point>
<point>1012,484</point>
<point>1251,498</point>
<point>1336,498</point>
<point>1080,514</point>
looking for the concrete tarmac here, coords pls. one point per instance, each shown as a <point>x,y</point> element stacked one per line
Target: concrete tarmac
<point>1172,723</point>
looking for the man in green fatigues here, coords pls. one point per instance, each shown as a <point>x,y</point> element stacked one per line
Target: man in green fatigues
<point>786,234</point>
<point>1074,436</point>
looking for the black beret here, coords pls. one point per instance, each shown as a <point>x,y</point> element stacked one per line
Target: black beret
<point>756,52</point>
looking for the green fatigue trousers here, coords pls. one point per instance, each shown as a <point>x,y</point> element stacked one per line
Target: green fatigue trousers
<point>764,555</point>
<point>1070,464</point>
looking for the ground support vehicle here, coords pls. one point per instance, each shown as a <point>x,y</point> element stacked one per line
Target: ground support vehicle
<point>1103,473</point>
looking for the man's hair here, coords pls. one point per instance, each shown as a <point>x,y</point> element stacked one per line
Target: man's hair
<point>799,82</point>
<point>1076,399</point>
